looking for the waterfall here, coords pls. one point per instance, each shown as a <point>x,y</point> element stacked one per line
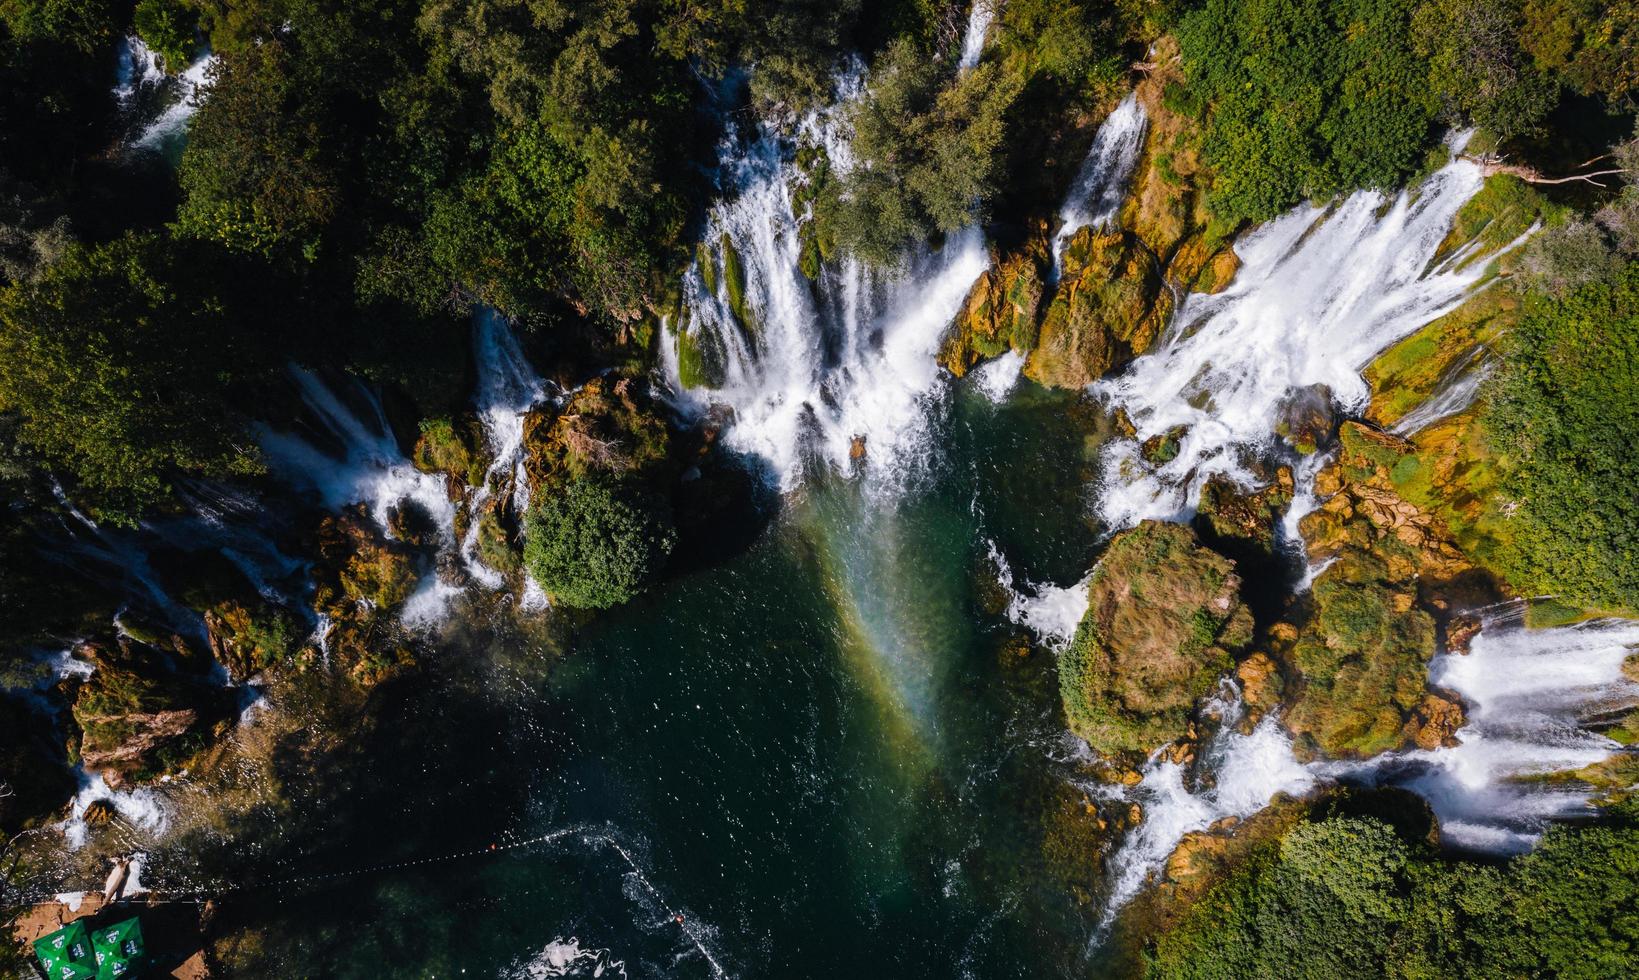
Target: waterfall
<point>1051,612</point>
<point>829,368</point>
<point>1248,771</point>
<point>1321,291</point>
<point>507,389</point>
<point>370,470</point>
<point>1101,183</point>
<point>978,26</point>
<point>171,123</point>
<point>1457,389</point>
<point>1531,696</point>
<point>137,68</point>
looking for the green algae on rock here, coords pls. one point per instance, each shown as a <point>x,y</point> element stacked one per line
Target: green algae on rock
<point>1164,622</point>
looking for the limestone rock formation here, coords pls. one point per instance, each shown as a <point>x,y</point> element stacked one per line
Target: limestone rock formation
<point>1163,623</point>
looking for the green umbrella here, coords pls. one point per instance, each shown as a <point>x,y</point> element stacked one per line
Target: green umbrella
<point>119,949</point>
<point>67,948</point>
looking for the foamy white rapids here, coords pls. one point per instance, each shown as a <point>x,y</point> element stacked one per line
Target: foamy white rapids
<point>370,470</point>
<point>1321,291</point>
<point>507,389</point>
<point>1531,695</point>
<point>567,957</point>
<point>1096,195</point>
<point>174,119</point>
<point>997,378</point>
<point>1249,770</point>
<point>849,357</point>
<point>137,66</point>
<point>979,19</point>
<point>141,809</point>
<point>1047,610</point>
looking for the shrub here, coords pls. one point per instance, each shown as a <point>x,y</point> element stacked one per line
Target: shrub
<point>593,545</point>
<point>168,27</point>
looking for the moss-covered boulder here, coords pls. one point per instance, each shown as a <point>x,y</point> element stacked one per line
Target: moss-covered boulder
<point>248,636</point>
<point>361,580</point>
<point>451,446</point>
<point>1001,311</point>
<point>1110,306</point>
<point>1164,621</point>
<point>1242,523</point>
<point>139,717</point>
<point>610,428</point>
<point>1362,655</point>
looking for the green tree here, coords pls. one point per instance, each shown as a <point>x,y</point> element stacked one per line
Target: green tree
<point>118,362</point>
<point>1303,99</point>
<point>170,28</point>
<point>926,145</point>
<point>1478,67</point>
<point>1562,414</point>
<point>594,546</point>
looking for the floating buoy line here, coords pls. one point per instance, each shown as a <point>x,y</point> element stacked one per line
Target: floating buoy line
<point>672,916</point>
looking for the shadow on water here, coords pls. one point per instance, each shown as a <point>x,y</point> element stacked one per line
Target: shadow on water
<point>829,754</point>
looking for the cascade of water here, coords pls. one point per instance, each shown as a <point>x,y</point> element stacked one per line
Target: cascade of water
<point>507,389</point>
<point>831,366</point>
<point>174,119</point>
<point>1455,392</point>
<point>979,19</point>
<point>1531,695</point>
<point>1249,770</point>
<point>1051,612</point>
<point>1321,291</point>
<point>371,470</point>
<point>1096,195</point>
<point>138,66</point>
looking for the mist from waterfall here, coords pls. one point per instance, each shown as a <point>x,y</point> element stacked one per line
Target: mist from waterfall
<point>1321,291</point>
<point>834,367</point>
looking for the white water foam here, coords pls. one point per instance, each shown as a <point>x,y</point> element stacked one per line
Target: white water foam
<point>1531,695</point>
<point>565,957</point>
<point>137,66</point>
<point>830,365</point>
<point>1249,770</point>
<point>172,121</point>
<point>1321,291</point>
<point>371,470</point>
<point>142,809</point>
<point>996,378</point>
<point>1047,610</point>
<point>507,389</point>
<point>979,19</point>
<point>1100,185</point>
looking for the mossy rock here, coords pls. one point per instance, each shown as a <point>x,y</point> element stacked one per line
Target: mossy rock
<point>1413,370</point>
<point>452,446</point>
<point>1163,623</point>
<point>1110,306</point>
<point>734,280</point>
<point>701,360</point>
<point>359,571</point>
<point>139,717</point>
<point>610,427</point>
<point>495,544</point>
<point>1000,313</point>
<point>251,636</point>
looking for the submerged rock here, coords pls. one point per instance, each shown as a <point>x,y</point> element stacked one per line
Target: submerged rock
<point>1163,623</point>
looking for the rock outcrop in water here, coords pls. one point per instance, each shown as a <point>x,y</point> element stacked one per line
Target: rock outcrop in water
<point>1110,306</point>
<point>1164,621</point>
<point>138,715</point>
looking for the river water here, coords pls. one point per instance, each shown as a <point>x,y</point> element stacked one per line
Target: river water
<point>827,754</point>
